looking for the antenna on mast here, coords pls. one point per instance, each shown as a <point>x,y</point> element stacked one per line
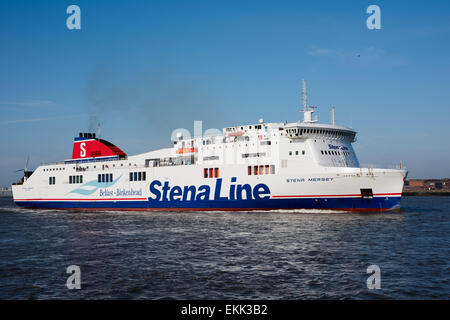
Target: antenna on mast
<point>332,115</point>
<point>305,103</point>
<point>307,110</point>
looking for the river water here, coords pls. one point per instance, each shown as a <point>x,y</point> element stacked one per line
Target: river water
<point>227,255</point>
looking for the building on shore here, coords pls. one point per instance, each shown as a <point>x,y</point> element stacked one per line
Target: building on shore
<point>427,185</point>
<point>5,192</point>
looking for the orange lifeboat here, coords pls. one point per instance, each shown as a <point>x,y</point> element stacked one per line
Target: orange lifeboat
<point>186,150</point>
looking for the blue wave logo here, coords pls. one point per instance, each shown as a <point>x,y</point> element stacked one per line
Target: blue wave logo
<point>90,187</point>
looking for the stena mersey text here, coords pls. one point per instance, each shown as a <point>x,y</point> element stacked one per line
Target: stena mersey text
<point>165,192</point>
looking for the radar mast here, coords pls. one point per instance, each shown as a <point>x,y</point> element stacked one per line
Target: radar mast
<point>307,110</point>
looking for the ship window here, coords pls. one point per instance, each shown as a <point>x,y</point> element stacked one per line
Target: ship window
<point>131,176</point>
<point>110,177</point>
<point>303,152</point>
<point>70,179</point>
<point>290,153</point>
<point>255,169</point>
<point>103,178</point>
<point>249,170</point>
<point>321,151</point>
<point>144,176</point>
<point>139,176</point>
<point>211,173</point>
<point>205,173</point>
<point>135,177</point>
<point>99,178</point>
<point>77,179</point>
<point>296,153</point>
<point>272,169</point>
<point>81,179</point>
<point>261,170</point>
<point>267,169</point>
<point>216,172</point>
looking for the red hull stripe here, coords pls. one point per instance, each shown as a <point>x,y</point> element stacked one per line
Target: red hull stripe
<point>336,195</point>
<point>140,199</point>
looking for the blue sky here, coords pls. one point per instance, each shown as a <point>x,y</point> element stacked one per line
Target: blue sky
<point>145,68</point>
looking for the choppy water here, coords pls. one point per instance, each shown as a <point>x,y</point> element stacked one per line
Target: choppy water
<point>258,255</point>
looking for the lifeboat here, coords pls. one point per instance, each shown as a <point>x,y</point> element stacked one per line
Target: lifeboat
<point>186,150</point>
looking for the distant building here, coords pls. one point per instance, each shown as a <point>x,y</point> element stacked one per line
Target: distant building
<point>417,183</point>
<point>5,192</point>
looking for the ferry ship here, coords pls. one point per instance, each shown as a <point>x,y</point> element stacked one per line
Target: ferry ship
<point>260,166</point>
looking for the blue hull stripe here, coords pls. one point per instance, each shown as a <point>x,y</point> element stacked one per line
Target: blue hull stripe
<point>352,203</point>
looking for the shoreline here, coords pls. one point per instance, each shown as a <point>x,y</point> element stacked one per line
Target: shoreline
<point>425,193</point>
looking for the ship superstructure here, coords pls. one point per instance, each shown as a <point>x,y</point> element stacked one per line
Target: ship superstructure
<point>260,166</point>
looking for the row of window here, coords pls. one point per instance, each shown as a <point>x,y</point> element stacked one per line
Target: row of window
<point>210,158</point>
<point>253,155</point>
<point>54,169</point>
<point>138,176</point>
<point>211,172</point>
<point>105,177</point>
<point>51,180</point>
<point>229,129</point>
<point>261,170</point>
<point>316,131</point>
<point>75,179</point>
<point>334,152</point>
<point>77,168</point>
<point>297,152</point>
